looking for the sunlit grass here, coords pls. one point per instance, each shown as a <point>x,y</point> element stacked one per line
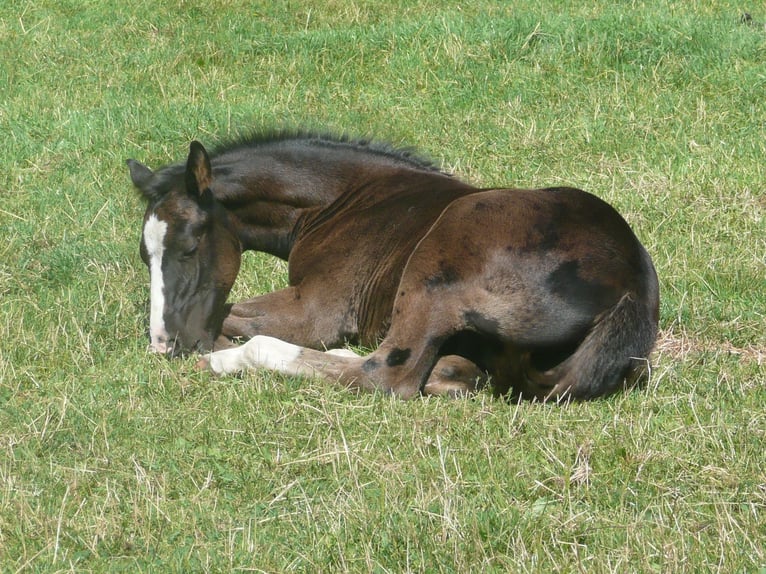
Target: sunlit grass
<point>112,459</point>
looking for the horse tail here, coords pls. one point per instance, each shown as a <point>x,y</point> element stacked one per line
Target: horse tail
<point>614,354</point>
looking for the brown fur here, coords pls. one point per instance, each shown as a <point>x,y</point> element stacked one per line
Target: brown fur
<point>546,292</point>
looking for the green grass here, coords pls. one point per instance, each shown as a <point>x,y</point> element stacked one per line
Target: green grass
<point>115,460</point>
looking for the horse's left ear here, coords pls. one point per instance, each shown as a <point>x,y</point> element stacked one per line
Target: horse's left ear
<point>141,176</point>
<point>199,174</point>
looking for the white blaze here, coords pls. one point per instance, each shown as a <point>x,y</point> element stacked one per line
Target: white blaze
<point>154,240</point>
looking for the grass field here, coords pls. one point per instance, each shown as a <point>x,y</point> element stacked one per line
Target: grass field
<point>115,460</point>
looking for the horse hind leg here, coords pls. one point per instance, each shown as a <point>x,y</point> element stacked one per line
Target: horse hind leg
<point>274,354</point>
<point>452,377</point>
<point>339,365</point>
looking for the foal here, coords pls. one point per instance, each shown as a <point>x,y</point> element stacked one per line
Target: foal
<point>548,292</point>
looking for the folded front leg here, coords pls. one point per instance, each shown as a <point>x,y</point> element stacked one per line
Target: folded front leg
<point>294,316</point>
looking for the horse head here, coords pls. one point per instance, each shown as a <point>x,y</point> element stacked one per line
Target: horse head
<point>192,251</point>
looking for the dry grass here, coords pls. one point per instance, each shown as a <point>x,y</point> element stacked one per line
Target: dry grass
<point>681,347</point>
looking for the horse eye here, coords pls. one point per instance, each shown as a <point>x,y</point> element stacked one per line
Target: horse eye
<point>192,245</point>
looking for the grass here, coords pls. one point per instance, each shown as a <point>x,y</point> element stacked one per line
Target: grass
<point>115,460</point>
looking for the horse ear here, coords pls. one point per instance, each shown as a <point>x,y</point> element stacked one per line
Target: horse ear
<point>199,173</point>
<point>141,176</point>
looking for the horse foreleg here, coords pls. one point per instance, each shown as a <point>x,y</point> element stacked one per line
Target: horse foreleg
<point>289,316</point>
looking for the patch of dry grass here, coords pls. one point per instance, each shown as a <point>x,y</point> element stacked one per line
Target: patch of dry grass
<point>681,347</point>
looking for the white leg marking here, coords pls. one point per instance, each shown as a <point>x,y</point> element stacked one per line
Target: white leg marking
<point>260,351</point>
<point>154,240</point>
<point>341,353</point>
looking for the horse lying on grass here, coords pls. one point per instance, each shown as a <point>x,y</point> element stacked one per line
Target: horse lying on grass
<point>547,292</point>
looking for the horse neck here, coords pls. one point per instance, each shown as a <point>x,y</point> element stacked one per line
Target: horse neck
<point>265,207</point>
<point>268,200</point>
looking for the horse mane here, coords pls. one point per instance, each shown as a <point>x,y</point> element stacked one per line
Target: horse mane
<point>165,177</point>
<point>404,155</point>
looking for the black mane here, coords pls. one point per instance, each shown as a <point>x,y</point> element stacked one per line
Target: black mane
<point>165,178</point>
<point>404,155</point>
